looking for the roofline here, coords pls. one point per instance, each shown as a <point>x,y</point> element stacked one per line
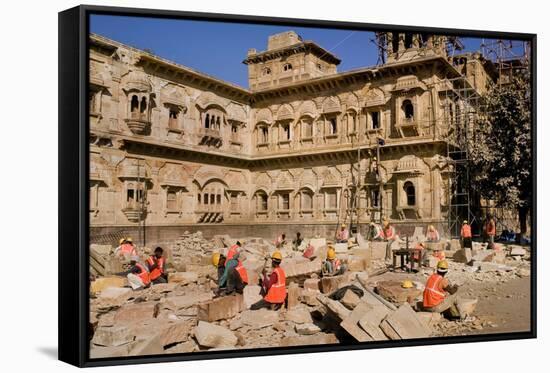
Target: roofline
<point>316,48</point>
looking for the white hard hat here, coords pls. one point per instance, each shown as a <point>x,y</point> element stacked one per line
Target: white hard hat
<point>134,258</point>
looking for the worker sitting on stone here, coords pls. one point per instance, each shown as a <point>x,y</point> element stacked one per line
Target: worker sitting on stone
<point>280,241</point>
<point>138,276</point>
<point>274,287</point>
<point>126,249</point>
<point>297,242</point>
<point>342,236</point>
<point>432,235</point>
<point>232,276</point>
<point>155,264</point>
<point>390,236</point>
<point>439,295</point>
<point>332,266</point>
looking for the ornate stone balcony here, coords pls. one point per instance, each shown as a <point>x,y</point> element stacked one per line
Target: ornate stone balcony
<point>209,136</point>
<point>134,212</point>
<point>138,123</point>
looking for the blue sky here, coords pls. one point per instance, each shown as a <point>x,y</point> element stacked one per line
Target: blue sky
<point>218,48</point>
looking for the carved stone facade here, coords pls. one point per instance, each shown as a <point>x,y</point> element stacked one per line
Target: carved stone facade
<point>172,147</point>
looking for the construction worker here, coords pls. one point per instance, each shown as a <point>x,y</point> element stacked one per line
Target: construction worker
<point>155,264</point>
<point>138,276</point>
<point>432,235</point>
<point>376,232</point>
<point>234,249</point>
<point>439,295</point>
<point>280,241</point>
<point>232,276</point>
<point>420,254</point>
<point>332,266</point>
<point>466,235</point>
<point>274,287</point>
<point>390,236</point>
<point>297,242</point>
<point>126,249</point>
<point>490,231</point>
<point>342,235</point>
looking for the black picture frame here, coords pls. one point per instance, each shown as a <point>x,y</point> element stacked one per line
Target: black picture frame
<point>73,185</point>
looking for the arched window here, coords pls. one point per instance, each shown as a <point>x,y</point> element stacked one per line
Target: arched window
<point>306,200</point>
<point>266,71</point>
<point>261,201</point>
<point>408,109</point>
<point>218,126</point>
<point>207,121</point>
<point>408,187</point>
<point>333,127</point>
<point>134,104</point>
<point>408,40</point>
<point>143,105</point>
<point>287,67</point>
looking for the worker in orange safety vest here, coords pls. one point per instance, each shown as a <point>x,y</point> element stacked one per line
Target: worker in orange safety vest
<point>439,296</point>
<point>138,276</point>
<point>274,287</point>
<point>155,264</point>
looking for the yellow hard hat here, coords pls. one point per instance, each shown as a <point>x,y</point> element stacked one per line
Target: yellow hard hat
<point>121,241</point>
<point>277,255</point>
<point>385,222</point>
<point>331,253</point>
<point>465,222</point>
<point>343,225</point>
<point>442,266</point>
<point>215,259</point>
<point>407,284</point>
<point>129,239</point>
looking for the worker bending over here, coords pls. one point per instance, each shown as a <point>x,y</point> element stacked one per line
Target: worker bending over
<point>439,295</point>
<point>274,287</point>
<point>432,235</point>
<point>232,276</point>
<point>155,264</point>
<point>332,266</point>
<point>138,276</point>
<point>342,236</point>
<point>126,248</point>
<point>234,249</point>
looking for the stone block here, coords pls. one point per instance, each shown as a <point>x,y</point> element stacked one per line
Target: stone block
<point>351,323</point>
<point>335,307</point>
<point>309,297</point>
<point>330,284</point>
<point>293,295</point>
<point>350,299</point>
<point>99,352</point>
<point>306,340</point>
<point>185,301</point>
<point>495,257</point>
<point>341,247</point>
<point>103,283</point>
<point>466,307</point>
<point>430,318</point>
<point>312,284</point>
<point>370,322</point>
<point>378,250</point>
<point>115,296</point>
<point>181,348</point>
<point>517,250</point>
<point>103,250</point>
<point>393,292</point>
<point>307,329</point>
<point>454,245</point>
<point>404,324</point>
<point>163,288</point>
<point>183,278</point>
<point>298,316</point>
<point>295,267</point>
<point>112,336</point>
<point>136,312</point>
<point>176,332</point>
<point>462,255</point>
<point>210,335</point>
<point>258,319</point>
<point>356,263</point>
<point>251,294</point>
<point>221,308</point>
<point>150,346</point>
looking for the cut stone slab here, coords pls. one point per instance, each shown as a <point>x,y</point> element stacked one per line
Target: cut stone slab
<point>309,297</point>
<point>332,283</point>
<point>183,278</point>
<point>350,299</point>
<point>334,306</point>
<point>112,336</point>
<point>298,316</point>
<point>176,332</point>
<point>115,296</point>
<point>257,319</point>
<point>303,340</point>
<point>351,323</point>
<point>404,324</point>
<point>462,255</point>
<point>210,335</point>
<point>395,293</point>
<point>251,294</point>
<point>307,329</point>
<point>295,268</point>
<point>103,283</point>
<point>370,322</point>
<point>186,301</point>
<point>221,308</point>
<point>517,250</point>
<point>312,284</point>
<point>136,312</point>
<point>293,295</point>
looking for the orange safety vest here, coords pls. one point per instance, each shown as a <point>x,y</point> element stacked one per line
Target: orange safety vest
<point>433,236</point>
<point>143,275</point>
<point>466,231</point>
<point>433,293</point>
<point>277,291</point>
<point>491,228</point>
<point>242,272</point>
<point>389,232</point>
<point>157,272</point>
<point>232,251</point>
<point>128,248</point>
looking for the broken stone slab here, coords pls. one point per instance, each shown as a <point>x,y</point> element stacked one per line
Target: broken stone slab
<point>112,336</point>
<point>307,329</point>
<point>351,323</point>
<point>350,300</point>
<point>257,319</point>
<point>466,307</point>
<point>183,278</point>
<point>523,272</point>
<point>211,335</point>
<point>221,308</point>
<point>462,255</point>
<point>294,267</point>
<point>393,292</point>
<point>309,297</point>
<point>329,284</point>
<point>103,283</point>
<point>185,301</point>
<point>312,284</point>
<point>189,346</point>
<point>115,296</point>
<point>298,316</point>
<point>334,306</point>
<point>517,250</point>
<point>136,312</point>
<point>404,324</point>
<point>176,332</point>
<point>370,322</point>
<point>251,294</point>
<point>150,346</point>
<point>430,318</point>
<point>99,352</point>
<point>304,340</point>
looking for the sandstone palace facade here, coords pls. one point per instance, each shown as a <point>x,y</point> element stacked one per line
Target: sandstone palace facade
<point>304,148</point>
